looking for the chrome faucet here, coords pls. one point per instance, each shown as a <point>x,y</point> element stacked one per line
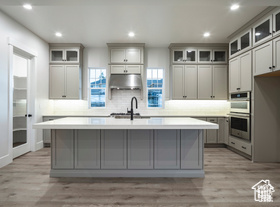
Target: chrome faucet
<point>131,110</point>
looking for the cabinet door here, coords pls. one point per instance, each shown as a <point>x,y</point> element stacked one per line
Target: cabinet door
<point>118,69</point>
<point>205,82</point>
<point>72,81</point>
<point>219,56</point>
<point>117,55</point>
<point>191,55</point>
<point>191,154</point>
<point>234,76</point>
<point>133,69</point>
<point>63,145</point>
<point>72,55</point>
<point>178,82</point>
<point>190,82</point>
<point>113,149</point>
<point>233,46</point>
<point>205,56</point>
<point>276,23</point>
<point>87,149</point>
<point>245,71</point>
<point>140,149</point>
<point>245,40</point>
<point>167,149</point>
<point>178,56</point>
<point>57,82</point>
<point>276,54</point>
<point>221,131</point>
<point>220,84</point>
<point>226,131</point>
<point>133,55</point>
<point>262,31</point>
<point>212,134</point>
<point>57,56</point>
<point>262,59</point>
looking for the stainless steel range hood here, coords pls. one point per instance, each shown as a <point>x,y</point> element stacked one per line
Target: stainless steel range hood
<point>125,82</point>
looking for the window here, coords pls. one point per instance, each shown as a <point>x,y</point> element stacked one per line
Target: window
<point>155,87</point>
<point>97,87</point>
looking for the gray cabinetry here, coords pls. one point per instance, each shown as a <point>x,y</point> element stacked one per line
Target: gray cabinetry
<point>184,82</point>
<point>126,69</point>
<point>212,134</point>
<point>191,149</point>
<point>212,82</point>
<point>223,131</point>
<point>126,55</point>
<point>167,151</point>
<point>262,59</point>
<point>240,44</point>
<point>240,145</point>
<point>63,149</point>
<point>113,149</point>
<point>140,149</point>
<point>240,73</point>
<point>87,149</point>
<point>65,82</point>
<point>65,71</point>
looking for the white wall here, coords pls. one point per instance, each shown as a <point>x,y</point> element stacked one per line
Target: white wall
<point>155,58</point>
<point>10,28</point>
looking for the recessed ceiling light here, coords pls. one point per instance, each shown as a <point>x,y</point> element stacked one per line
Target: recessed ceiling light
<point>27,6</point>
<point>131,34</point>
<point>206,34</point>
<point>58,34</point>
<point>234,6</point>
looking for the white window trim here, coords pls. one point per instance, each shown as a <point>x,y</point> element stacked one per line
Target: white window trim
<point>163,89</point>
<point>89,89</point>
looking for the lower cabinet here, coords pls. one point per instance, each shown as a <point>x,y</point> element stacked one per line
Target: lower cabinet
<point>63,149</point>
<point>113,149</point>
<point>212,134</point>
<point>140,149</point>
<point>240,145</point>
<point>167,149</point>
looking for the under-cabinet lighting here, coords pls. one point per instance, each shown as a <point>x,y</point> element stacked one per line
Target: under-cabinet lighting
<point>27,6</point>
<point>206,34</point>
<point>234,7</point>
<point>131,34</point>
<point>58,34</point>
<point>258,34</point>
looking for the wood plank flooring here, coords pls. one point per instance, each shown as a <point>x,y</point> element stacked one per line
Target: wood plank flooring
<point>228,181</point>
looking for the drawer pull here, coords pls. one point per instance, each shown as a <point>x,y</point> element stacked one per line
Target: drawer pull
<point>232,142</point>
<point>244,147</point>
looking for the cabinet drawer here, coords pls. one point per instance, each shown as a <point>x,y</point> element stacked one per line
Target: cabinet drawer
<point>240,145</point>
<point>213,120</point>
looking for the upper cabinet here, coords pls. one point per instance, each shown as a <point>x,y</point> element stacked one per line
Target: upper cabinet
<point>240,43</point>
<point>65,71</point>
<point>186,55</point>
<point>194,55</point>
<point>262,30</point>
<point>276,22</point>
<point>212,56</point>
<point>126,53</point>
<point>62,55</point>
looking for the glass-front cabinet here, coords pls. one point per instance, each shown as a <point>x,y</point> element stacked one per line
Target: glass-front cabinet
<point>212,56</point>
<point>64,55</point>
<point>240,43</point>
<point>262,30</point>
<point>186,55</point>
<point>276,22</point>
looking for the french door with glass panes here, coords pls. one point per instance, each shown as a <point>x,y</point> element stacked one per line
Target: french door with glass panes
<point>21,118</point>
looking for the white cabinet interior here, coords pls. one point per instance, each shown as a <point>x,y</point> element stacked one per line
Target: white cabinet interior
<point>240,73</point>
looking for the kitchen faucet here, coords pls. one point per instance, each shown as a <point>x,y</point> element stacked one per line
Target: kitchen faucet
<point>131,110</point>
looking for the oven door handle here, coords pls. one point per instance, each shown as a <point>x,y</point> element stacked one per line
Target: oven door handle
<point>239,115</point>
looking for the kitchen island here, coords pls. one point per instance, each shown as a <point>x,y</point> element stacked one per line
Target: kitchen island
<point>110,147</point>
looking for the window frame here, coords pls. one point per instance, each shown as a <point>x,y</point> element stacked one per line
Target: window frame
<point>89,88</point>
<point>162,88</point>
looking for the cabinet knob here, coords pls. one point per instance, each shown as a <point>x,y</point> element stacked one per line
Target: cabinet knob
<point>64,96</point>
<point>273,31</point>
<point>232,143</point>
<point>270,68</point>
<point>273,66</point>
<point>244,147</point>
<point>238,89</point>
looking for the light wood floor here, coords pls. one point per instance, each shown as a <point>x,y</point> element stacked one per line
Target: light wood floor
<point>228,181</point>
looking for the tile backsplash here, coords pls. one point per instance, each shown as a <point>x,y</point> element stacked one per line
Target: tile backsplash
<point>121,100</point>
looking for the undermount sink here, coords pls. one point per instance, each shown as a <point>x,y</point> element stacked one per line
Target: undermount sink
<point>134,117</point>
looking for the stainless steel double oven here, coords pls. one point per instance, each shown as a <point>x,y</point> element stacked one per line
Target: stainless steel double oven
<point>240,115</point>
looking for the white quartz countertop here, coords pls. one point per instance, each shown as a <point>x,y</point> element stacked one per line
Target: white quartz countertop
<point>112,123</point>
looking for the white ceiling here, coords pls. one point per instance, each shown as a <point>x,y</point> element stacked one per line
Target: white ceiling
<point>155,22</point>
